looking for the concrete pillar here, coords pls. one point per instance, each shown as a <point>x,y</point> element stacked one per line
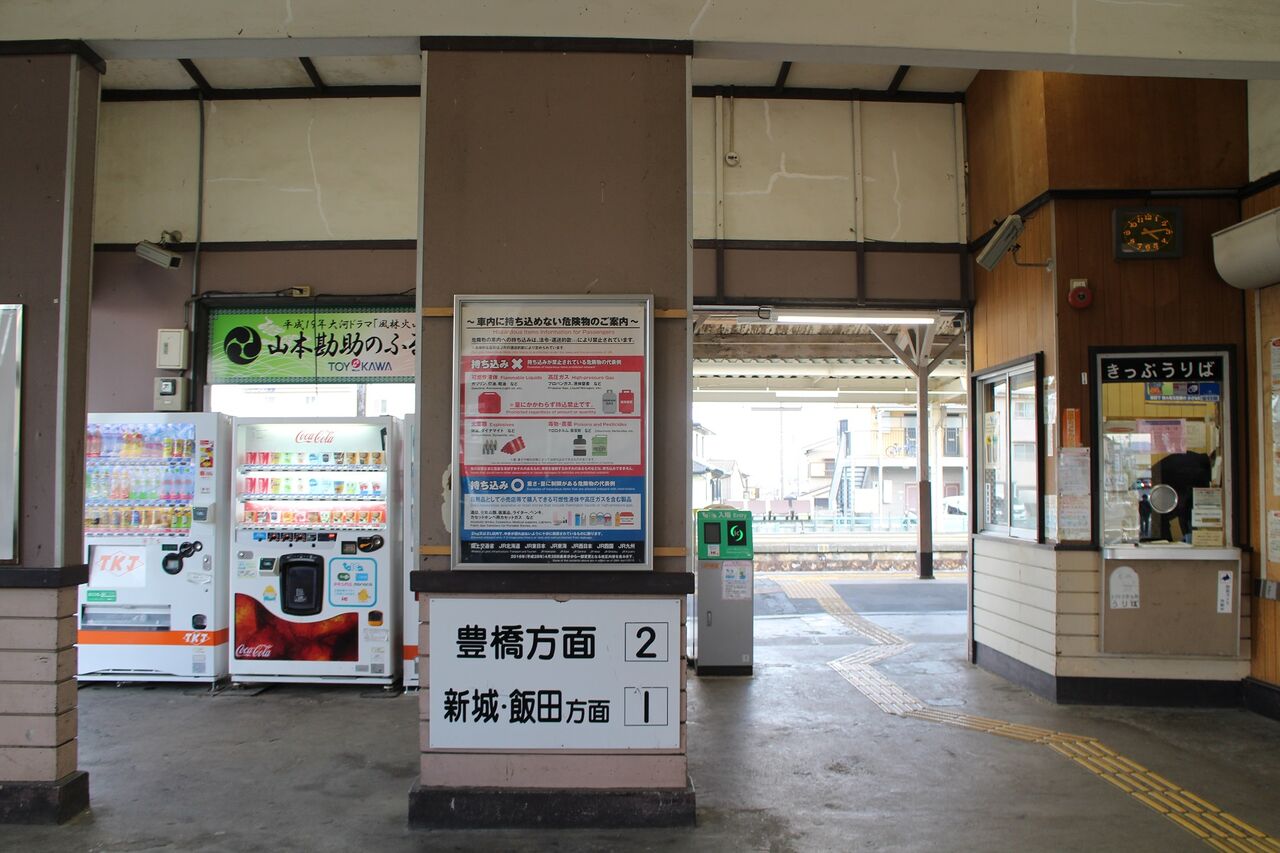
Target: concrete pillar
<point>556,167</point>
<point>46,169</point>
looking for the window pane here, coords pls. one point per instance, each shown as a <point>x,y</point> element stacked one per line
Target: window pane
<point>390,398</point>
<point>995,454</point>
<point>1162,454</point>
<point>1024,484</point>
<point>273,401</point>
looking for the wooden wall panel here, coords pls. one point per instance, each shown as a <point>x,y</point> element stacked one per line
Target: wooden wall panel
<point>1260,202</point>
<point>1013,313</point>
<point>1148,132</point>
<point>1006,140</point>
<point>1138,302</point>
<point>1263,315</point>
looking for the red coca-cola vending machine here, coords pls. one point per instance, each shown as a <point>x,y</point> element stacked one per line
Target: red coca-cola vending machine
<point>316,553</point>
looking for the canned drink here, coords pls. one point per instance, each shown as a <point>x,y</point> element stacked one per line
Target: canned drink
<point>313,458</point>
<point>313,517</point>
<point>364,457</point>
<point>377,457</point>
<point>364,488</point>
<point>362,516</point>
<point>274,516</point>
<point>325,516</point>
<point>325,459</point>
<point>353,458</point>
<point>338,487</point>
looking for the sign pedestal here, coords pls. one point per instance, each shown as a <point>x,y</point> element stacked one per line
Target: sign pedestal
<point>529,717</point>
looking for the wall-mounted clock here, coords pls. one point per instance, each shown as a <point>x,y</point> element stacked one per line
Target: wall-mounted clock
<point>1147,232</point>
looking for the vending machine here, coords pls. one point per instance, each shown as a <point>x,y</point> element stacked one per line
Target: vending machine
<point>409,503</point>
<point>316,551</point>
<point>157,488</point>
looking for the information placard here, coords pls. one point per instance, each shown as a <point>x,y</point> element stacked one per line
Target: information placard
<point>551,432</point>
<point>546,674</point>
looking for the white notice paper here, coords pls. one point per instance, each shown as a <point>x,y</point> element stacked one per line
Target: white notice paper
<point>1073,471</point>
<point>1075,517</point>
<point>1273,536</point>
<point>737,580</point>
<point>1275,363</point>
<point>1122,589</point>
<point>1226,583</point>
<point>1206,507</point>
<point>1051,517</point>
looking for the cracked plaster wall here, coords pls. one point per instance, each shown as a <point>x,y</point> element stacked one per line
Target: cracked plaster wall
<point>321,169</point>
<point>797,177</point>
<point>335,169</point>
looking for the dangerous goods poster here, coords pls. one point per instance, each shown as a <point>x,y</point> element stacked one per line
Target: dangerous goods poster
<point>551,432</point>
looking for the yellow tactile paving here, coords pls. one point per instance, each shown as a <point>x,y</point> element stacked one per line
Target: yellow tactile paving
<point>1218,829</point>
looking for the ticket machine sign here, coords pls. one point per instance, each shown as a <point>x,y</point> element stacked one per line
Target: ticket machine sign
<point>724,534</point>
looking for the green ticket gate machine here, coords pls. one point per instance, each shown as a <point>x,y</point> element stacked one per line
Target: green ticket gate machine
<point>723,632</point>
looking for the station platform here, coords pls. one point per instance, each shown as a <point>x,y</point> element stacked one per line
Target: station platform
<point>864,728</point>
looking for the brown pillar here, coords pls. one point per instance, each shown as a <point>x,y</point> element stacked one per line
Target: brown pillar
<point>46,167</point>
<point>550,169</point>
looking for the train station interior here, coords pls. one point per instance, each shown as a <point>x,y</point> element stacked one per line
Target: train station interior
<point>603,426</point>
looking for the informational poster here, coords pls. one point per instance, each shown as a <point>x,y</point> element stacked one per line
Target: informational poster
<point>1273,536</point>
<point>308,345</point>
<point>1075,518</point>
<point>1226,591</point>
<point>1206,508</point>
<point>547,674</point>
<point>10,409</point>
<point>1275,363</point>
<point>1051,517</point>
<point>737,580</point>
<point>1123,589</point>
<point>1073,471</point>
<point>1050,396</point>
<point>551,430</point>
<point>1166,436</point>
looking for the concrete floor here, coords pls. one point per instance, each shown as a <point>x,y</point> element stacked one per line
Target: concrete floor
<point>794,759</point>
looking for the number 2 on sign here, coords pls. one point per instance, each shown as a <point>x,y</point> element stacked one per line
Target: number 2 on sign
<point>646,641</point>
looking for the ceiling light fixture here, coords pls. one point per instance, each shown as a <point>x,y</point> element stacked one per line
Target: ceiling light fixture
<point>798,394</point>
<point>856,319</point>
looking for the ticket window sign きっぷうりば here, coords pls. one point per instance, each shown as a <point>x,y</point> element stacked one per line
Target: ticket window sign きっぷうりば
<point>551,432</point>
<point>547,674</point>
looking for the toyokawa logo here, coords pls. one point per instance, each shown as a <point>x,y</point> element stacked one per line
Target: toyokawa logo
<point>242,345</point>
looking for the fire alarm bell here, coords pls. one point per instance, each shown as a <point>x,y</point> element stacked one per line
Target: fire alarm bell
<point>1079,295</point>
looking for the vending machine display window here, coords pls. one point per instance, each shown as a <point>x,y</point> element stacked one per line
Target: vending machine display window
<point>1008,460</point>
<point>1163,423</point>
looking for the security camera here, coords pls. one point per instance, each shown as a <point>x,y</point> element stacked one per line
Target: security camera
<point>1001,242</point>
<point>158,255</point>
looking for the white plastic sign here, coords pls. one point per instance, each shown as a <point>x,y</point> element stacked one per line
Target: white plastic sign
<point>547,674</point>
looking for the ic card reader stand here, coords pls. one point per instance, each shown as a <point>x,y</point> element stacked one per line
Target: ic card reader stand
<point>723,631</point>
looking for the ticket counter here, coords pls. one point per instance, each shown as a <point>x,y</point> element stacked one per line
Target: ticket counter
<point>1172,579</point>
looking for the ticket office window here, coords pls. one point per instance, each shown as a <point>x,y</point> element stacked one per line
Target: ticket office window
<point>1163,422</point>
<point>1008,454</point>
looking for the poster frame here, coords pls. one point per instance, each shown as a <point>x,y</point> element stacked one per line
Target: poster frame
<point>11,359</point>
<point>460,304</point>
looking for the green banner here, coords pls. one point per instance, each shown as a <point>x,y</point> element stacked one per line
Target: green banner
<point>284,346</point>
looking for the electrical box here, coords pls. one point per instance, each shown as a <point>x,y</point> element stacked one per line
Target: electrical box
<point>170,394</point>
<point>171,349</point>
